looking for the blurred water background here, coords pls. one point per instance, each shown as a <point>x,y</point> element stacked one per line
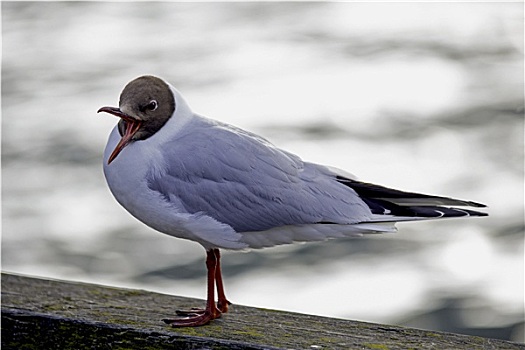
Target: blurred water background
<point>419,96</point>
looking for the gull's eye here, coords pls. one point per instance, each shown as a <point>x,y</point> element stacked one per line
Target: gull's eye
<point>152,105</point>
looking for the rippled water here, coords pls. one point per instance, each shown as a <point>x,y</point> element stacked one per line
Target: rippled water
<point>423,97</point>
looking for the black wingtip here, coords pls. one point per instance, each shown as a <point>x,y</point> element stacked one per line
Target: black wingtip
<point>387,201</point>
<point>402,198</point>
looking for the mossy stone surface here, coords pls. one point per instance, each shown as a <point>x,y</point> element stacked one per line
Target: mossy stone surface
<point>49,314</point>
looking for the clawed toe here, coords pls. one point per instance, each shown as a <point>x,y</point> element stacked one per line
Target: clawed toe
<point>192,318</point>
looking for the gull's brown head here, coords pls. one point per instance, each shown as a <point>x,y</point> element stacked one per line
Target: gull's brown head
<point>145,105</point>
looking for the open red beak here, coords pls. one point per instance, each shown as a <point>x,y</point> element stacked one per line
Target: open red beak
<point>132,126</point>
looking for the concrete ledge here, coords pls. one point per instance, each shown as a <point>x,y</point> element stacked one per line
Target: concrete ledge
<point>48,314</point>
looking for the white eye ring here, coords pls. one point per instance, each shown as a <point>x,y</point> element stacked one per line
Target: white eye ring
<point>152,105</point>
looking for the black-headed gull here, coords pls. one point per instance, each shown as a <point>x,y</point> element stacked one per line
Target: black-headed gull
<point>196,178</point>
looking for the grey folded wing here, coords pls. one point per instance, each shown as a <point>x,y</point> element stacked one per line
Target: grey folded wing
<point>242,180</point>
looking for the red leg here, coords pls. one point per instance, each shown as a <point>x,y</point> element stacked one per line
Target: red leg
<point>222,303</point>
<point>201,317</point>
